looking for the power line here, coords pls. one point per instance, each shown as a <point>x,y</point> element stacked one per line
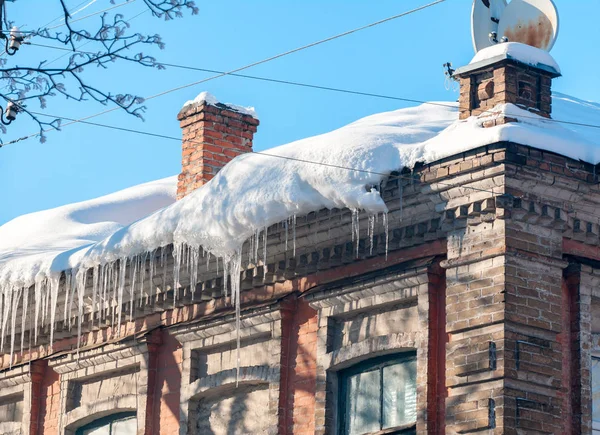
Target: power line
<point>332,89</point>
<point>262,153</point>
<point>313,44</point>
<point>127,2</point>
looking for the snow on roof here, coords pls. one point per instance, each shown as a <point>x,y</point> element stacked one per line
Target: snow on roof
<point>211,100</point>
<point>257,190</point>
<point>31,243</point>
<point>516,51</point>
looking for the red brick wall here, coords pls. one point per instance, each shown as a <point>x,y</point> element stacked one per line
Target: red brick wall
<point>298,369</point>
<point>167,385</point>
<point>49,402</point>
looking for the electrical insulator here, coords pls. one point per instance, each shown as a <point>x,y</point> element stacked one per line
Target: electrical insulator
<point>15,39</point>
<point>11,111</point>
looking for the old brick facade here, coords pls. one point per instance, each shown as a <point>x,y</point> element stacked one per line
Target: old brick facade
<point>491,281</point>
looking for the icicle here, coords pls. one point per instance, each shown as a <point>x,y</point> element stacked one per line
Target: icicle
<point>81,280</point>
<point>163,265</point>
<point>356,229</point>
<point>194,259</point>
<point>73,290</point>
<point>256,243</point>
<point>133,270</point>
<point>152,289</point>
<point>226,268</point>
<point>95,281</point>
<point>8,293</point>
<point>294,232</point>
<point>13,323</point>
<point>177,259</point>
<point>37,301</point>
<point>105,274</point>
<point>45,304</point>
<point>54,284</point>
<point>264,253</point>
<point>371,233</point>
<point>142,277</point>
<point>207,260</point>
<point>24,316</point>
<point>387,234</point>
<point>121,288</point>
<point>234,265</point>
<point>113,299</point>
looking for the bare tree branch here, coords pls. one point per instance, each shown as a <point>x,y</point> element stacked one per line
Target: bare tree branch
<point>111,41</point>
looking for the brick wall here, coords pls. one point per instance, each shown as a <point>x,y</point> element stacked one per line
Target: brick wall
<point>514,340</point>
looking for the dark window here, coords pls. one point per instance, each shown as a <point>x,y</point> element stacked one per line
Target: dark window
<point>123,423</point>
<point>379,395</point>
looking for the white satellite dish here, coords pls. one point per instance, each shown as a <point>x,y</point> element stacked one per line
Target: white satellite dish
<point>531,22</point>
<point>485,17</point>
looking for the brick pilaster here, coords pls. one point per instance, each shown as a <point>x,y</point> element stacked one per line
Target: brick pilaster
<point>49,399</point>
<point>167,385</point>
<point>298,390</point>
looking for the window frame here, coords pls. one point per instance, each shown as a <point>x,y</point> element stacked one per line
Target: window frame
<point>103,421</point>
<point>377,363</point>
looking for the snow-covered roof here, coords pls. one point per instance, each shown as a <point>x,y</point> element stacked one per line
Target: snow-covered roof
<point>257,190</point>
<point>515,51</point>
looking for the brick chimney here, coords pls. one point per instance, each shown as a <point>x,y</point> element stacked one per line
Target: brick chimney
<point>503,78</point>
<point>213,134</point>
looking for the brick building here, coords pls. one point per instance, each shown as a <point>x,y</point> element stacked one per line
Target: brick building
<point>476,313</point>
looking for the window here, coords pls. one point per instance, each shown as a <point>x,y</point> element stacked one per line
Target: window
<point>596,395</point>
<point>379,396</point>
<point>124,423</point>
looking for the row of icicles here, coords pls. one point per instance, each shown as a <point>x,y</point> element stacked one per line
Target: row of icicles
<point>109,282</point>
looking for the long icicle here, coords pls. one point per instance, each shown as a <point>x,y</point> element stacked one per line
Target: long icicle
<point>54,283</point>
<point>24,316</point>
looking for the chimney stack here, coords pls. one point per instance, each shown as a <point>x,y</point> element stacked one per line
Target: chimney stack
<point>213,134</point>
<point>502,74</point>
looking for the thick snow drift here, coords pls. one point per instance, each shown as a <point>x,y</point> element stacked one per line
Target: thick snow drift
<point>30,243</point>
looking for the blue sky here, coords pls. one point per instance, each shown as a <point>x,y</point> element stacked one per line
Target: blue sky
<point>401,58</point>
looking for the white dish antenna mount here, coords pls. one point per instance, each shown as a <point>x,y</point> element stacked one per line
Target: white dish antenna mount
<point>531,22</point>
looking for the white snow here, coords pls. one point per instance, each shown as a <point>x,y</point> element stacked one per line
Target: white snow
<point>251,193</point>
<point>32,243</point>
<point>211,100</point>
<point>515,50</point>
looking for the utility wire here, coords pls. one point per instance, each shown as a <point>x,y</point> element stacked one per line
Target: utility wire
<point>328,88</point>
<point>313,44</point>
<point>262,153</point>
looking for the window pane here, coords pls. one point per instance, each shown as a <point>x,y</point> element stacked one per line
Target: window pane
<point>596,389</point>
<point>362,403</point>
<point>400,394</point>
<point>103,430</point>
<point>124,427</point>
